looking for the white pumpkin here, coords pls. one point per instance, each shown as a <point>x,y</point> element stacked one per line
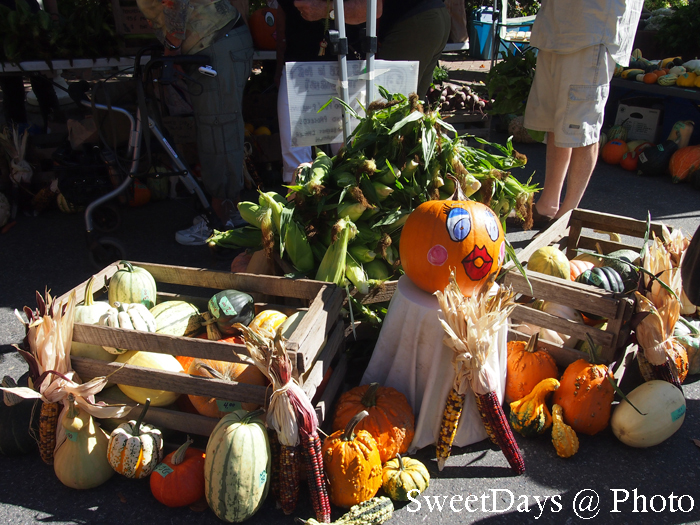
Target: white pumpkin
<point>664,406</point>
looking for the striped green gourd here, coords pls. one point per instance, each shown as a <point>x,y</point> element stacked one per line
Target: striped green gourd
<point>667,80</point>
<point>177,318</point>
<point>374,511</point>
<point>237,466</point>
<point>132,284</point>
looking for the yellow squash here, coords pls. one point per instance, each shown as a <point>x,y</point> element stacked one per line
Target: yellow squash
<point>564,437</point>
<point>530,416</point>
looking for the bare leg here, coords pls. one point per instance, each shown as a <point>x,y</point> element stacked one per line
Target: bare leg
<point>581,166</point>
<point>555,172</point>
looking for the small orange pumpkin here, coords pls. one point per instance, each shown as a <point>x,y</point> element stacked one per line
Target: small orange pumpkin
<point>684,162</point>
<point>453,233</point>
<point>527,366</point>
<point>263,29</point>
<point>179,479</point>
<point>352,463</point>
<point>578,266</point>
<point>139,194</point>
<point>390,422</point>
<point>585,395</point>
<point>227,371</point>
<point>613,152</point>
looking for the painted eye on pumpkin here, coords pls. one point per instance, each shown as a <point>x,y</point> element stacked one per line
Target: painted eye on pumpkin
<point>491,224</point>
<point>459,224</point>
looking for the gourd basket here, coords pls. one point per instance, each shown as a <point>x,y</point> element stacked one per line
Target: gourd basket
<point>571,233</point>
<point>312,347</point>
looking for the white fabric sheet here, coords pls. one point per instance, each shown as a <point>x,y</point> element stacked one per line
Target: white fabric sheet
<point>411,357</point>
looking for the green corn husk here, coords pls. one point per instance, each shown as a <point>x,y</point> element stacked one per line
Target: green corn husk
<point>268,200</point>
<point>251,213</point>
<point>386,176</point>
<point>367,235</point>
<point>332,268</point>
<point>319,251</point>
<point>361,253</point>
<point>410,169</point>
<point>297,246</point>
<point>377,270</point>
<point>247,237</point>
<point>356,274</point>
<point>344,179</point>
<point>369,213</point>
<point>383,191</point>
<point>351,210</point>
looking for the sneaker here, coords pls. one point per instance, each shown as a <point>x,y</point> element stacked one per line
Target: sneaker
<point>235,220</point>
<point>196,235</point>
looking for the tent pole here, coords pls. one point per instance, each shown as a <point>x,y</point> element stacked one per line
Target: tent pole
<point>342,64</point>
<point>371,46</point>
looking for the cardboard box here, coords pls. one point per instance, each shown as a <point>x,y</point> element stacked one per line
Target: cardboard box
<point>641,123</point>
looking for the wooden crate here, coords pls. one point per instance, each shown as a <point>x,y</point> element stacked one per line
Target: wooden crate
<point>464,122</point>
<point>312,346</point>
<point>574,231</point>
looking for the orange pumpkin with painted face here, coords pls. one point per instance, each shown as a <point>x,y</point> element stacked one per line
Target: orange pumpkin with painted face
<point>453,233</point>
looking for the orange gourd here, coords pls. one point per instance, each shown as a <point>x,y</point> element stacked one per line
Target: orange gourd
<point>179,479</point>
<point>139,194</point>
<point>585,395</point>
<point>578,266</point>
<point>261,24</point>
<point>390,421</point>
<point>352,463</point>
<point>527,365</point>
<point>456,233</point>
<point>650,78</point>
<point>227,371</point>
<point>684,162</point>
<point>613,151</point>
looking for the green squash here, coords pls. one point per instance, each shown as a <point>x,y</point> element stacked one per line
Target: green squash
<point>622,264</point>
<point>89,313</point>
<point>604,278</point>
<point>400,476</point>
<point>229,307</point>
<point>177,318</point>
<point>237,466</point>
<point>17,419</point>
<point>530,415</point>
<point>132,284</point>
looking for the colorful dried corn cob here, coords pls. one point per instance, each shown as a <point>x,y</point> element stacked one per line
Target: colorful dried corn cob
<point>448,427</point>
<point>48,420</point>
<point>495,419</point>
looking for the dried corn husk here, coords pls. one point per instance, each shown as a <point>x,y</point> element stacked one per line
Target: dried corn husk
<point>471,325</point>
<point>656,260</point>
<point>49,336</point>
<point>655,331</point>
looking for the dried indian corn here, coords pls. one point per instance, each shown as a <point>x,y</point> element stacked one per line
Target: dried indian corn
<point>48,420</point>
<point>311,446</point>
<point>448,428</point>
<point>499,430</point>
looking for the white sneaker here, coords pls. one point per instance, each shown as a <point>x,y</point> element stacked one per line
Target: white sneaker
<point>199,218</point>
<point>196,235</point>
<point>235,220</point>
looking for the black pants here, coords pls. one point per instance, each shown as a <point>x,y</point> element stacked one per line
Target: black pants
<point>13,97</point>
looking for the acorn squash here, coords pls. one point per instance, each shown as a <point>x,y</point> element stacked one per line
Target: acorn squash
<point>229,307</point>
<point>604,278</point>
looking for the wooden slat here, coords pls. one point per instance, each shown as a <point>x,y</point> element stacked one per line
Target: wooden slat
<point>577,330</point>
<point>552,234</point>
<point>563,355</point>
<point>220,280</point>
<point>380,294</point>
<point>323,407</point>
<point>165,418</point>
<point>158,343</point>
<point>591,243</point>
<point>99,284</point>
<point>576,295</point>
<point>170,381</point>
<point>308,338</point>
<point>615,223</point>
<point>312,379</point>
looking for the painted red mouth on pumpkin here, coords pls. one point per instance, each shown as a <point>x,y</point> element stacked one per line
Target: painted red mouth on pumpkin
<point>475,271</point>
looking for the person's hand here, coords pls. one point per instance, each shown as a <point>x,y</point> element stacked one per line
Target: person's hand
<point>312,10</point>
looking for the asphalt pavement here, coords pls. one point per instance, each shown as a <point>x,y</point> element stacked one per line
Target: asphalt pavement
<point>606,481</point>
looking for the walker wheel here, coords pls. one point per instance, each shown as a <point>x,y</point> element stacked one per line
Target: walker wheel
<point>107,218</point>
<point>105,251</point>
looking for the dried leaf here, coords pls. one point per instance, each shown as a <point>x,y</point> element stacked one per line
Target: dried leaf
<point>696,441</point>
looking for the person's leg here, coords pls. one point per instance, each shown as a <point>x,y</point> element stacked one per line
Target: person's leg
<point>45,96</point>
<point>556,168</point>
<point>291,156</point>
<point>422,38</point>
<point>13,99</point>
<point>583,161</point>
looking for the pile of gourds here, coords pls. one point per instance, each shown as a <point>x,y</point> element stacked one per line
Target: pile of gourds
<point>670,71</point>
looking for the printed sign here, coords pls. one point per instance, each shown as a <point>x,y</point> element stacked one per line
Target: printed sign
<point>310,85</point>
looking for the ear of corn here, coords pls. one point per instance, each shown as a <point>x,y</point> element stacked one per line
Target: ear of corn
<point>275,456</point>
<point>297,245</point>
<point>246,237</point>
<point>499,431</point>
<point>366,235</point>
<point>351,210</point>
<point>383,191</point>
<point>332,268</point>
<point>250,212</point>
<point>289,478</point>
<point>356,275</point>
<point>48,421</point>
<point>448,427</point>
<point>268,200</point>
<point>361,253</point>
<point>311,447</point>
<point>344,179</point>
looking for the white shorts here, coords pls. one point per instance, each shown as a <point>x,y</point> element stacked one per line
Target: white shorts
<point>568,95</point>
